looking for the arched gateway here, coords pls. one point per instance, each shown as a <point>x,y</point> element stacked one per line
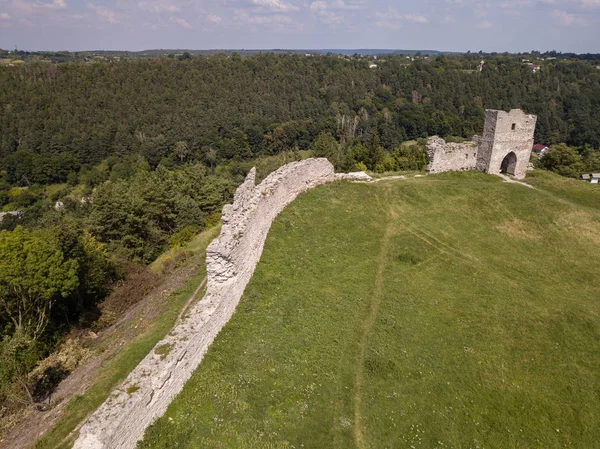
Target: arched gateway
<point>504,147</point>
<point>509,164</point>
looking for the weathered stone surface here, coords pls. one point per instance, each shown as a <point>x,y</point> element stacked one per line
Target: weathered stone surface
<point>505,133</point>
<point>443,156</point>
<point>247,221</point>
<point>354,176</point>
<point>231,259</point>
<point>504,147</point>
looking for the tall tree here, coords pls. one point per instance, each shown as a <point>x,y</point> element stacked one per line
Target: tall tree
<point>34,274</point>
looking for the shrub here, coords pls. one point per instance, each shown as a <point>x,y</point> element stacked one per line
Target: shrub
<point>360,166</point>
<point>183,236</point>
<point>18,355</point>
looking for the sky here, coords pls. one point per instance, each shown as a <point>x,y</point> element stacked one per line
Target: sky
<point>447,25</point>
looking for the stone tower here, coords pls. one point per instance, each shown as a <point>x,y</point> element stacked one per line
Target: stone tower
<point>506,144</point>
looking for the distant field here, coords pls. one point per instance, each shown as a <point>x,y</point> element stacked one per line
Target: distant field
<point>447,311</point>
<point>8,61</point>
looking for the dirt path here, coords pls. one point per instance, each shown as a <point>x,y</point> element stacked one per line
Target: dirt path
<point>359,437</point>
<point>514,181</point>
<point>190,300</point>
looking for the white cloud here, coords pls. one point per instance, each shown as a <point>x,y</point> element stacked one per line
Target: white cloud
<point>179,21</point>
<point>484,25</point>
<point>567,4</point>
<point>481,9</point>
<point>392,14</point>
<point>330,17</point>
<point>158,6</point>
<point>30,6</point>
<point>266,20</point>
<point>394,20</point>
<point>590,4</point>
<point>273,21</point>
<point>516,4</point>
<point>448,19</point>
<point>342,4</point>
<point>214,18</point>
<point>569,19</point>
<point>326,12</point>
<point>318,6</point>
<point>416,18</point>
<point>56,4</point>
<point>102,11</point>
<point>321,5</point>
<point>275,5</point>
<point>4,16</point>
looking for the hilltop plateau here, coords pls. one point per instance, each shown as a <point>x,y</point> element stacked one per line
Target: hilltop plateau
<point>452,310</point>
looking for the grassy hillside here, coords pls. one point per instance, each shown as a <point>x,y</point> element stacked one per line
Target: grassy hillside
<point>449,311</point>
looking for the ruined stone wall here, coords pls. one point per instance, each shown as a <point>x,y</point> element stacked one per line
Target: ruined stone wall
<point>443,156</point>
<point>506,132</point>
<point>487,139</point>
<point>507,137</point>
<point>236,251</point>
<point>231,259</point>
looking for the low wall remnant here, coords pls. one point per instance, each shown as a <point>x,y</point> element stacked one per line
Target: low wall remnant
<point>443,156</point>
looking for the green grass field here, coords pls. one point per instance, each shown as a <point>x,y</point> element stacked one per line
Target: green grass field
<point>449,311</point>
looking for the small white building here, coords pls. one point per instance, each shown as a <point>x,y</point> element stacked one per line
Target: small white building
<point>593,178</point>
<point>540,149</point>
<point>534,67</point>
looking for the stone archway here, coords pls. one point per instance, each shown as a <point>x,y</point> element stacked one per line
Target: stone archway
<point>509,164</point>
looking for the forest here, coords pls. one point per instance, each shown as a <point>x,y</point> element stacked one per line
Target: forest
<point>110,163</point>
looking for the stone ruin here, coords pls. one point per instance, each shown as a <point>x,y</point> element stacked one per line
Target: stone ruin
<point>505,146</point>
<point>230,262</point>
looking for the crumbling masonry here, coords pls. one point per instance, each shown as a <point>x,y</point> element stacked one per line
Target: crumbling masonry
<point>505,146</point>
<point>230,262</point>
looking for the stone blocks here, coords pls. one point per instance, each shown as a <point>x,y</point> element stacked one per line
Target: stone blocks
<point>505,133</point>
<point>231,259</point>
<point>444,156</point>
<point>505,146</point>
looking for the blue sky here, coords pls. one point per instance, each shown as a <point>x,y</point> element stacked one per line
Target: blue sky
<point>453,25</point>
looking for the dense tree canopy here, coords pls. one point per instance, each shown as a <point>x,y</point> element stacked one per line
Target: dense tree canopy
<point>219,108</point>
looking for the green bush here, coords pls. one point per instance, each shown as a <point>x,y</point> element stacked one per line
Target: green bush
<point>18,356</point>
<point>184,236</point>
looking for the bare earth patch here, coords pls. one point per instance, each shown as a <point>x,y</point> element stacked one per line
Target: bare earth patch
<point>518,229</point>
<point>580,223</point>
<point>32,424</point>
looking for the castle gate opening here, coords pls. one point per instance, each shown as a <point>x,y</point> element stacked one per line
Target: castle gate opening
<point>509,164</point>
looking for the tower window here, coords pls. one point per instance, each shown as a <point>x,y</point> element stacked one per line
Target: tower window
<point>514,126</point>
